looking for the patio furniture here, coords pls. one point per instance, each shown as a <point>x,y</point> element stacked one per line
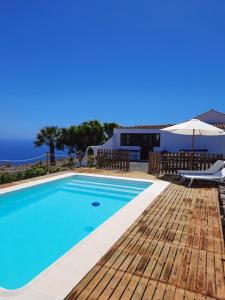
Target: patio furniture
<point>217,177</point>
<point>217,166</point>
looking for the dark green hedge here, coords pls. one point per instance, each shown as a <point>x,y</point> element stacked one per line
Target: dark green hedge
<point>10,177</point>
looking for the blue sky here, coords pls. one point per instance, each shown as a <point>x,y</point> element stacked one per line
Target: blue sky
<point>133,62</point>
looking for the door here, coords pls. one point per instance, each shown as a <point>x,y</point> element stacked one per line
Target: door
<point>144,154</point>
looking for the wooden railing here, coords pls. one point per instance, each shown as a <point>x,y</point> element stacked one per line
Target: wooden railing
<point>160,163</point>
<point>112,160</point>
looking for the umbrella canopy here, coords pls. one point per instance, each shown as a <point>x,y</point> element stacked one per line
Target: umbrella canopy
<point>199,128</point>
<point>194,127</point>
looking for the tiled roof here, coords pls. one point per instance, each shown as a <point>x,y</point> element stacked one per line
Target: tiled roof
<point>161,126</point>
<point>146,126</point>
<point>211,110</point>
<point>219,125</point>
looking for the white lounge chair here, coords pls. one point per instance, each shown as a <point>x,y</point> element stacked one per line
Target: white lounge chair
<point>218,165</point>
<point>218,177</point>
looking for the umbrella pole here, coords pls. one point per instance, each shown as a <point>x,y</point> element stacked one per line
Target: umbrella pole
<point>193,142</point>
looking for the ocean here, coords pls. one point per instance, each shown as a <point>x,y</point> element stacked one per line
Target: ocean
<point>19,149</point>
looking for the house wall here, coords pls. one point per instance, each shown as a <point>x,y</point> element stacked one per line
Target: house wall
<point>173,142</point>
<point>108,145</point>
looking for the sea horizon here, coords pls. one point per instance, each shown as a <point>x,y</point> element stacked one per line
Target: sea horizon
<point>21,148</point>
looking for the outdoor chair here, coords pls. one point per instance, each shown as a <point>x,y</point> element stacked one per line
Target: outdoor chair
<point>217,166</point>
<point>217,177</point>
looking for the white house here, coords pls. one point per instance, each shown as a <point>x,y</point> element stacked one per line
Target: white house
<point>139,140</point>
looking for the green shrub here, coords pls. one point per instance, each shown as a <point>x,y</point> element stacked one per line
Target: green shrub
<point>20,176</point>
<point>90,161</point>
<point>7,177</point>
<point>54,169</point>
<point>30,173</point>
<point>40,171</point>
<point>70,162</point>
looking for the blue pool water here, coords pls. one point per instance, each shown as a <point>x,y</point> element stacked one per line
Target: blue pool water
<point>39,224</point>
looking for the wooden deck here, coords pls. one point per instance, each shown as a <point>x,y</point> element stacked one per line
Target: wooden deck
<point>174,250</point>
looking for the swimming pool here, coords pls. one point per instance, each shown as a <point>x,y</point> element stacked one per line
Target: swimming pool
<point>41,223</point>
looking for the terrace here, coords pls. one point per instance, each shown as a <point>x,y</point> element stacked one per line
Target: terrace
<point>174,250</point>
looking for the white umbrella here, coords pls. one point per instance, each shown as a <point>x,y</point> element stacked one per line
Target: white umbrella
<point>194,127</point>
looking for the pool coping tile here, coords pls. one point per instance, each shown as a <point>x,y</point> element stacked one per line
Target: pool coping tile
<point>59,278</point>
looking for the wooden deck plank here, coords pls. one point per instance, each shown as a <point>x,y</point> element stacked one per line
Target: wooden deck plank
<point>192,274</point>
<point>145,259</point>
<point>131,256</point>
<point>92,284</point>
<point>201,273</point>
<point>140,289</point>
<point>106,294</point>
<point>184,268</point>
<point>85,281</point>
<point>170,292</point>
<point>176,266</point>
<point>220,287</point>
<point>129,291</point>
<point>211,285</point>
<point>138,257</point>
<point>150,290</point>
<point>168,264</point>
<point>160,291</point>
<point>98,290</point>
<point>189,295</point>
<point>173,251</point>
<point>118,292</point>
<point>160,262</point>
<point>179,294</point>
<point>153,260</point>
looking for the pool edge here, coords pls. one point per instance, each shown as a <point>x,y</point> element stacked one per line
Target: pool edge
<point>56,281</point>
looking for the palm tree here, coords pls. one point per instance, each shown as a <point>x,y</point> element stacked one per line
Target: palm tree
<point>90,133</point>
<point>50,136</point>
<point>70,138</point>
<point>108,129</point>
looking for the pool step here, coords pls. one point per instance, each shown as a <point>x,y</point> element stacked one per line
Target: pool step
<point>105,188</point>
<point>97,193</point>
<point>109,184</point>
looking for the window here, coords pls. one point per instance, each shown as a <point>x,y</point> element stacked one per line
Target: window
<point>140,139</point>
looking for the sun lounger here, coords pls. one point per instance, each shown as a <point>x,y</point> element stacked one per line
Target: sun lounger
<point>217,166</point>
<point>218,177</point>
